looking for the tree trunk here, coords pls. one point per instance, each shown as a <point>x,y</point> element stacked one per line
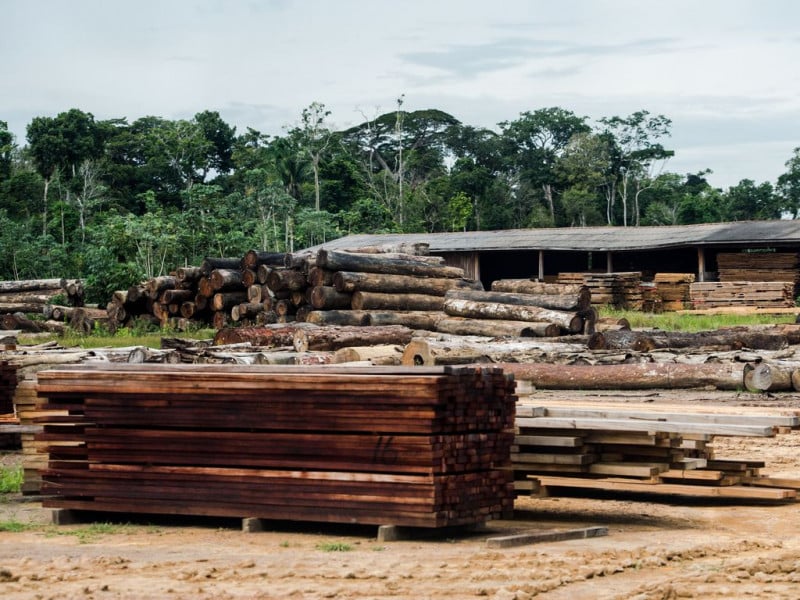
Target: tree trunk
<point>415,249</point>
<point>21,322</point>
<point>188,275</point>
<point>375,263</point>
<point>21,307</point>
<point>764,377</point>
<point>414,319</point>
<point>318,276</point>
<point>210,264</point>
<point>709,340</point>
<point>333,338</point>
<point>227,300</point>
<point>286,279</point>
<point>350,281</point>
<point>246,310</point>
<point>377,355</point>
<point>269,335</point>
<point>172,296</point>
<point>338,317</point>
<point>508,312</point>
<point>528,286</point>
<point>223,280</point>
<point>430,352</point>
<point>722,376</point>
<point>249,277</point>
<point>29,285</point>
<point>28,297</point>
<point>567,302</point>
<point>155,286</point>
<point>377,301</point>
<point>325,297</point>
<point>254,293</point>
<point>496,328</point>
<point>254,259</point>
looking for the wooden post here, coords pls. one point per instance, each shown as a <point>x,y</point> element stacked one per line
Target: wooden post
<point>609,262</point>
<point>701,264</point>
<point>541,265</point>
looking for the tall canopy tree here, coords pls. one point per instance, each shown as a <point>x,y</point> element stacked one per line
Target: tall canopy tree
<point>789,185</point>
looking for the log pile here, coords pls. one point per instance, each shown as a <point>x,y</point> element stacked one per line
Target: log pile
<point>764,294</point>
<point>418,447</point>
<point>32,295</point>
<point>642,452</point>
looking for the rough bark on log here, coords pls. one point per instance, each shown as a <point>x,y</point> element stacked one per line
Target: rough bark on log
<point>352,281</point>
<point>716,340</point>
<point>29,285</point>
<point>325,297</point>
<point>21,307</point>
<point>722,376</point>
<point>188,275</point>
<point>61,313</point>
<point>338,317</point>
<point>509,312</point>
<point>414,319</point>
<point>333,338</point>
<point>20,321</point>
<point>246,310</point>
<point>319,276</point>
<point>373,263</point>
<point>225,280</point>
<point>171,296</point>
<point>408,248</point>
<point>454,351</point>
<point>266,317</point>
<point>379,301</point>
<point>286,280</point>
<point>209,264</point>
<point>255,258</point>
<point>269,335</point>
<point>42,297</point>
<point>227,300</point>
<point>155,286</point>
<point>496,327</point>
<point>612,324</point>
<point>528,286</point>
<point>566,302</point>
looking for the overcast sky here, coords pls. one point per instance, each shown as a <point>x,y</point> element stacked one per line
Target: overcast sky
<point>725,71</point>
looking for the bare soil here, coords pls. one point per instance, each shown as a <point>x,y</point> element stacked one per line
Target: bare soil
<point>657,547</point>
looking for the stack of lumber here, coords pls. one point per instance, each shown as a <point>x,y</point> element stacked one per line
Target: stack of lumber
<point>32,295</point>
<point>642,452</point>
<point>378,445</point>
<point>619,290</point>
<point>674,289</point>
<point>764,294</point>
<point>651,299</point>
<point>759,266</point>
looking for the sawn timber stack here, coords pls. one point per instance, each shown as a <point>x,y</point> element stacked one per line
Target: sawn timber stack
<point>425,447</point>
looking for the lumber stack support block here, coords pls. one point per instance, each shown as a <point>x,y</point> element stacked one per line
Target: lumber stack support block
<point>419,447</point>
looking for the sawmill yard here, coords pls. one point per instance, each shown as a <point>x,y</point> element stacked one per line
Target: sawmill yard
<point>375,425</point>
<point>657,546</point>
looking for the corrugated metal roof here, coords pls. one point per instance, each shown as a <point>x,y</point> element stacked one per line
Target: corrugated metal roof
<point>595,239</point>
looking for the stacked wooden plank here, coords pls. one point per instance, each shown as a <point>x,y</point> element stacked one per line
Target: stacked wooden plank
<point>674,289</point>
<point>759,266</point>
<point>642,451</point>
<point>619,290</point>
<point>417,447</point>
<point>764,294</point>
<point>8,383</point>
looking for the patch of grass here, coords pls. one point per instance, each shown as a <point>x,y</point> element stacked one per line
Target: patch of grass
<point>92,532</point>
<point>11,479</point>
<point>14,526</point>
<point>671,321</point>
<point>102,338</point>
<point>334,547</point>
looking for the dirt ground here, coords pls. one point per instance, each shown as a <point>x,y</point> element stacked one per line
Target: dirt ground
<point>657,548</point>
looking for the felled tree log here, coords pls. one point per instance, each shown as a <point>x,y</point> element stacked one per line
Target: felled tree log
<point>19,321</point>
<point>268,335</point>
<point>209,264</point>
<point>432,352</point>
<point>338,317</point>
<point>612,324</point>
<point>319,276</point>
<point>509,312</point>
<point>333,338</point>
<point>254,259</point>
<point>376,263</point>
<point>722,376</point>
<point>414,319</point>
<point>325,297</point>
<point>21,307</point>
<point>286,279</point>
<point>528,286</point>
<point>712,340</point>
<point>227,300</point>
<point>378,301</point>
<point>377,355</point>
<point>37,297</point>
<point>566,302</point>
<point>496,327</point>
<point>155,286</point>
<point>29,285</point>
<point>352,281</point>
<point>415,249</point>
<point>763,377</point>
<point>246,310</point>
<point>226,279</point>
<point>61,313</point>
<point>171,296</point>
<point>188,275</point>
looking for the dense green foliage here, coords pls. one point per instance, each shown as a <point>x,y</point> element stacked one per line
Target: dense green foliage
<point>114,202</point>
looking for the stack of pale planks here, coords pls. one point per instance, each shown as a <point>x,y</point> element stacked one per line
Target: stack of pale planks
<point>416,447</point>
<point>619,290</point>
<point>758,266</point>
<point>642,452</point>
<point>761,295</point>
<point>674,290</point>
